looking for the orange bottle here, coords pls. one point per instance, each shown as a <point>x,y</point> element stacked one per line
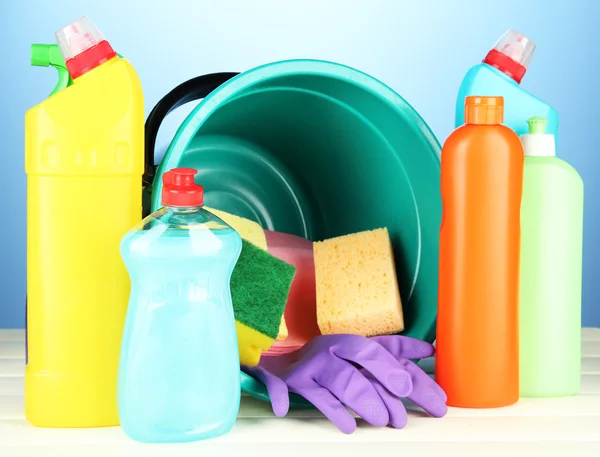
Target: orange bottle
<point>477,346</point>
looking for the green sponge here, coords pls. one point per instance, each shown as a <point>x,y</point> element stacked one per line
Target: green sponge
<point>260,284</point>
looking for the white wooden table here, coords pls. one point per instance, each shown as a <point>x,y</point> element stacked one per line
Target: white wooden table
<point>533,427</point>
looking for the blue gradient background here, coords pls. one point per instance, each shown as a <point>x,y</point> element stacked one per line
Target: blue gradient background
<point>421,49</point>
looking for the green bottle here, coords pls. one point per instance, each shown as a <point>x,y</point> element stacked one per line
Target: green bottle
<point>551,265</point>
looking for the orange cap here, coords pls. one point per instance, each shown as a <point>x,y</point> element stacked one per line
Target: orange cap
<point>484,110</point>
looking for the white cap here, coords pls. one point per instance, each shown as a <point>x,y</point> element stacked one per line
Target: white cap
<point>538,143</point>
<point>516,46</point>
<point>77,37</point>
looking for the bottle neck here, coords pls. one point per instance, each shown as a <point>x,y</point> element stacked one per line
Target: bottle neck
<point>87,74</point>
<point>538,145</point>
<point>184,209</point>
<point>483,114</point>
<point>506,65</point>
<point>90,59</point>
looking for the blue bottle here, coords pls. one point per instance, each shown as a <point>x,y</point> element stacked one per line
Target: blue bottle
<point>501,73</point>
<point>178,376</point>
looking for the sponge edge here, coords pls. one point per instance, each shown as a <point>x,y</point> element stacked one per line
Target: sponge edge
<point>260,285</point>
<point>247,229</point>
<point>356,285</point>
<point>250,353</point>
<point>254,233</point>
<point>283,331</point>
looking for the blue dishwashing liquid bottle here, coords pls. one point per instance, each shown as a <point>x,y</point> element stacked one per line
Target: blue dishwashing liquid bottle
<point>500,74</point>
<point>178,374</point>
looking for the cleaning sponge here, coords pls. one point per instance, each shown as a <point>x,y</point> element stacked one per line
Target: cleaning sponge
<point>254,233</point>
<point>260,284</point>
<point>247,229</point>
<point>356,285</point>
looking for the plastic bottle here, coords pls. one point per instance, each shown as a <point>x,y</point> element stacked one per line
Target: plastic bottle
<point>179,376</point>
<point>500,74</point>
<point>84,158</point>
<point>477,345</point>
<point>551,264</point>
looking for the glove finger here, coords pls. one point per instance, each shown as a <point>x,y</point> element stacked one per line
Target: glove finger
<point>350,386</point>
<point>395,407</point>
<point>426,393</point>
<point>405,346</point>
<point>417,373</point>
<point>330,406</point>
<point>423,378</point>
<point>276,387</point>
<point>384,367</point>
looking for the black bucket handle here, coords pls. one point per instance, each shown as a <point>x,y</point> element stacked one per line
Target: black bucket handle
<point>188,91</point>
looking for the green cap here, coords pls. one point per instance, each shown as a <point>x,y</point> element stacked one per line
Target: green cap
<point>46,55</point>
<point>537,125</point>
<point>40,55</point>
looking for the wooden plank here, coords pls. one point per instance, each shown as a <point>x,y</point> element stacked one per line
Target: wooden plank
<point>12,350</point>
<point>11,385</point>
<point>14,347</point>
<point>305,448</point>
<point>12,367</point>
<point>590,384</point>
<point>580,405</point>
<point>18,334</point>
<point>295,430</point>
<point>11,407</point>
<point>590,349</point>
<point>12,335</point>
<point>590,365</point>
<point>590,334</point>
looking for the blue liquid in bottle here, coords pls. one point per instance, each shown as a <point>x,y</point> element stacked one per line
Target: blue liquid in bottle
<point>179,367</point>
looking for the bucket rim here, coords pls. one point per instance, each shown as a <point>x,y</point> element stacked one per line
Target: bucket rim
<point>277,69</point>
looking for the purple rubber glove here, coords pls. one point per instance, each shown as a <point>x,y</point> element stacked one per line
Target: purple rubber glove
<point>426,393</point>
<point>368,375</point>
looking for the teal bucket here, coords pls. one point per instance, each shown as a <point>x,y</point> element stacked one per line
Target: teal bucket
<point>318,149</point>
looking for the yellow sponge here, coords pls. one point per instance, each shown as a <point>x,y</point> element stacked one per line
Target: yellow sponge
<point>283,331</point>
<point>251,343</point>
<point>254,233</point>
<point>247,229</point>
<point>356,285</point>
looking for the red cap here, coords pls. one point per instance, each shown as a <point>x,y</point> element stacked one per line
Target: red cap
<point>505,64</point>
<point>511,54</point>
<point>180,190</point>
<point>90,59</point>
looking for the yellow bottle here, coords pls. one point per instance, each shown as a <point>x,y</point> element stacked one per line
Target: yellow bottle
<point>84,161</point>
